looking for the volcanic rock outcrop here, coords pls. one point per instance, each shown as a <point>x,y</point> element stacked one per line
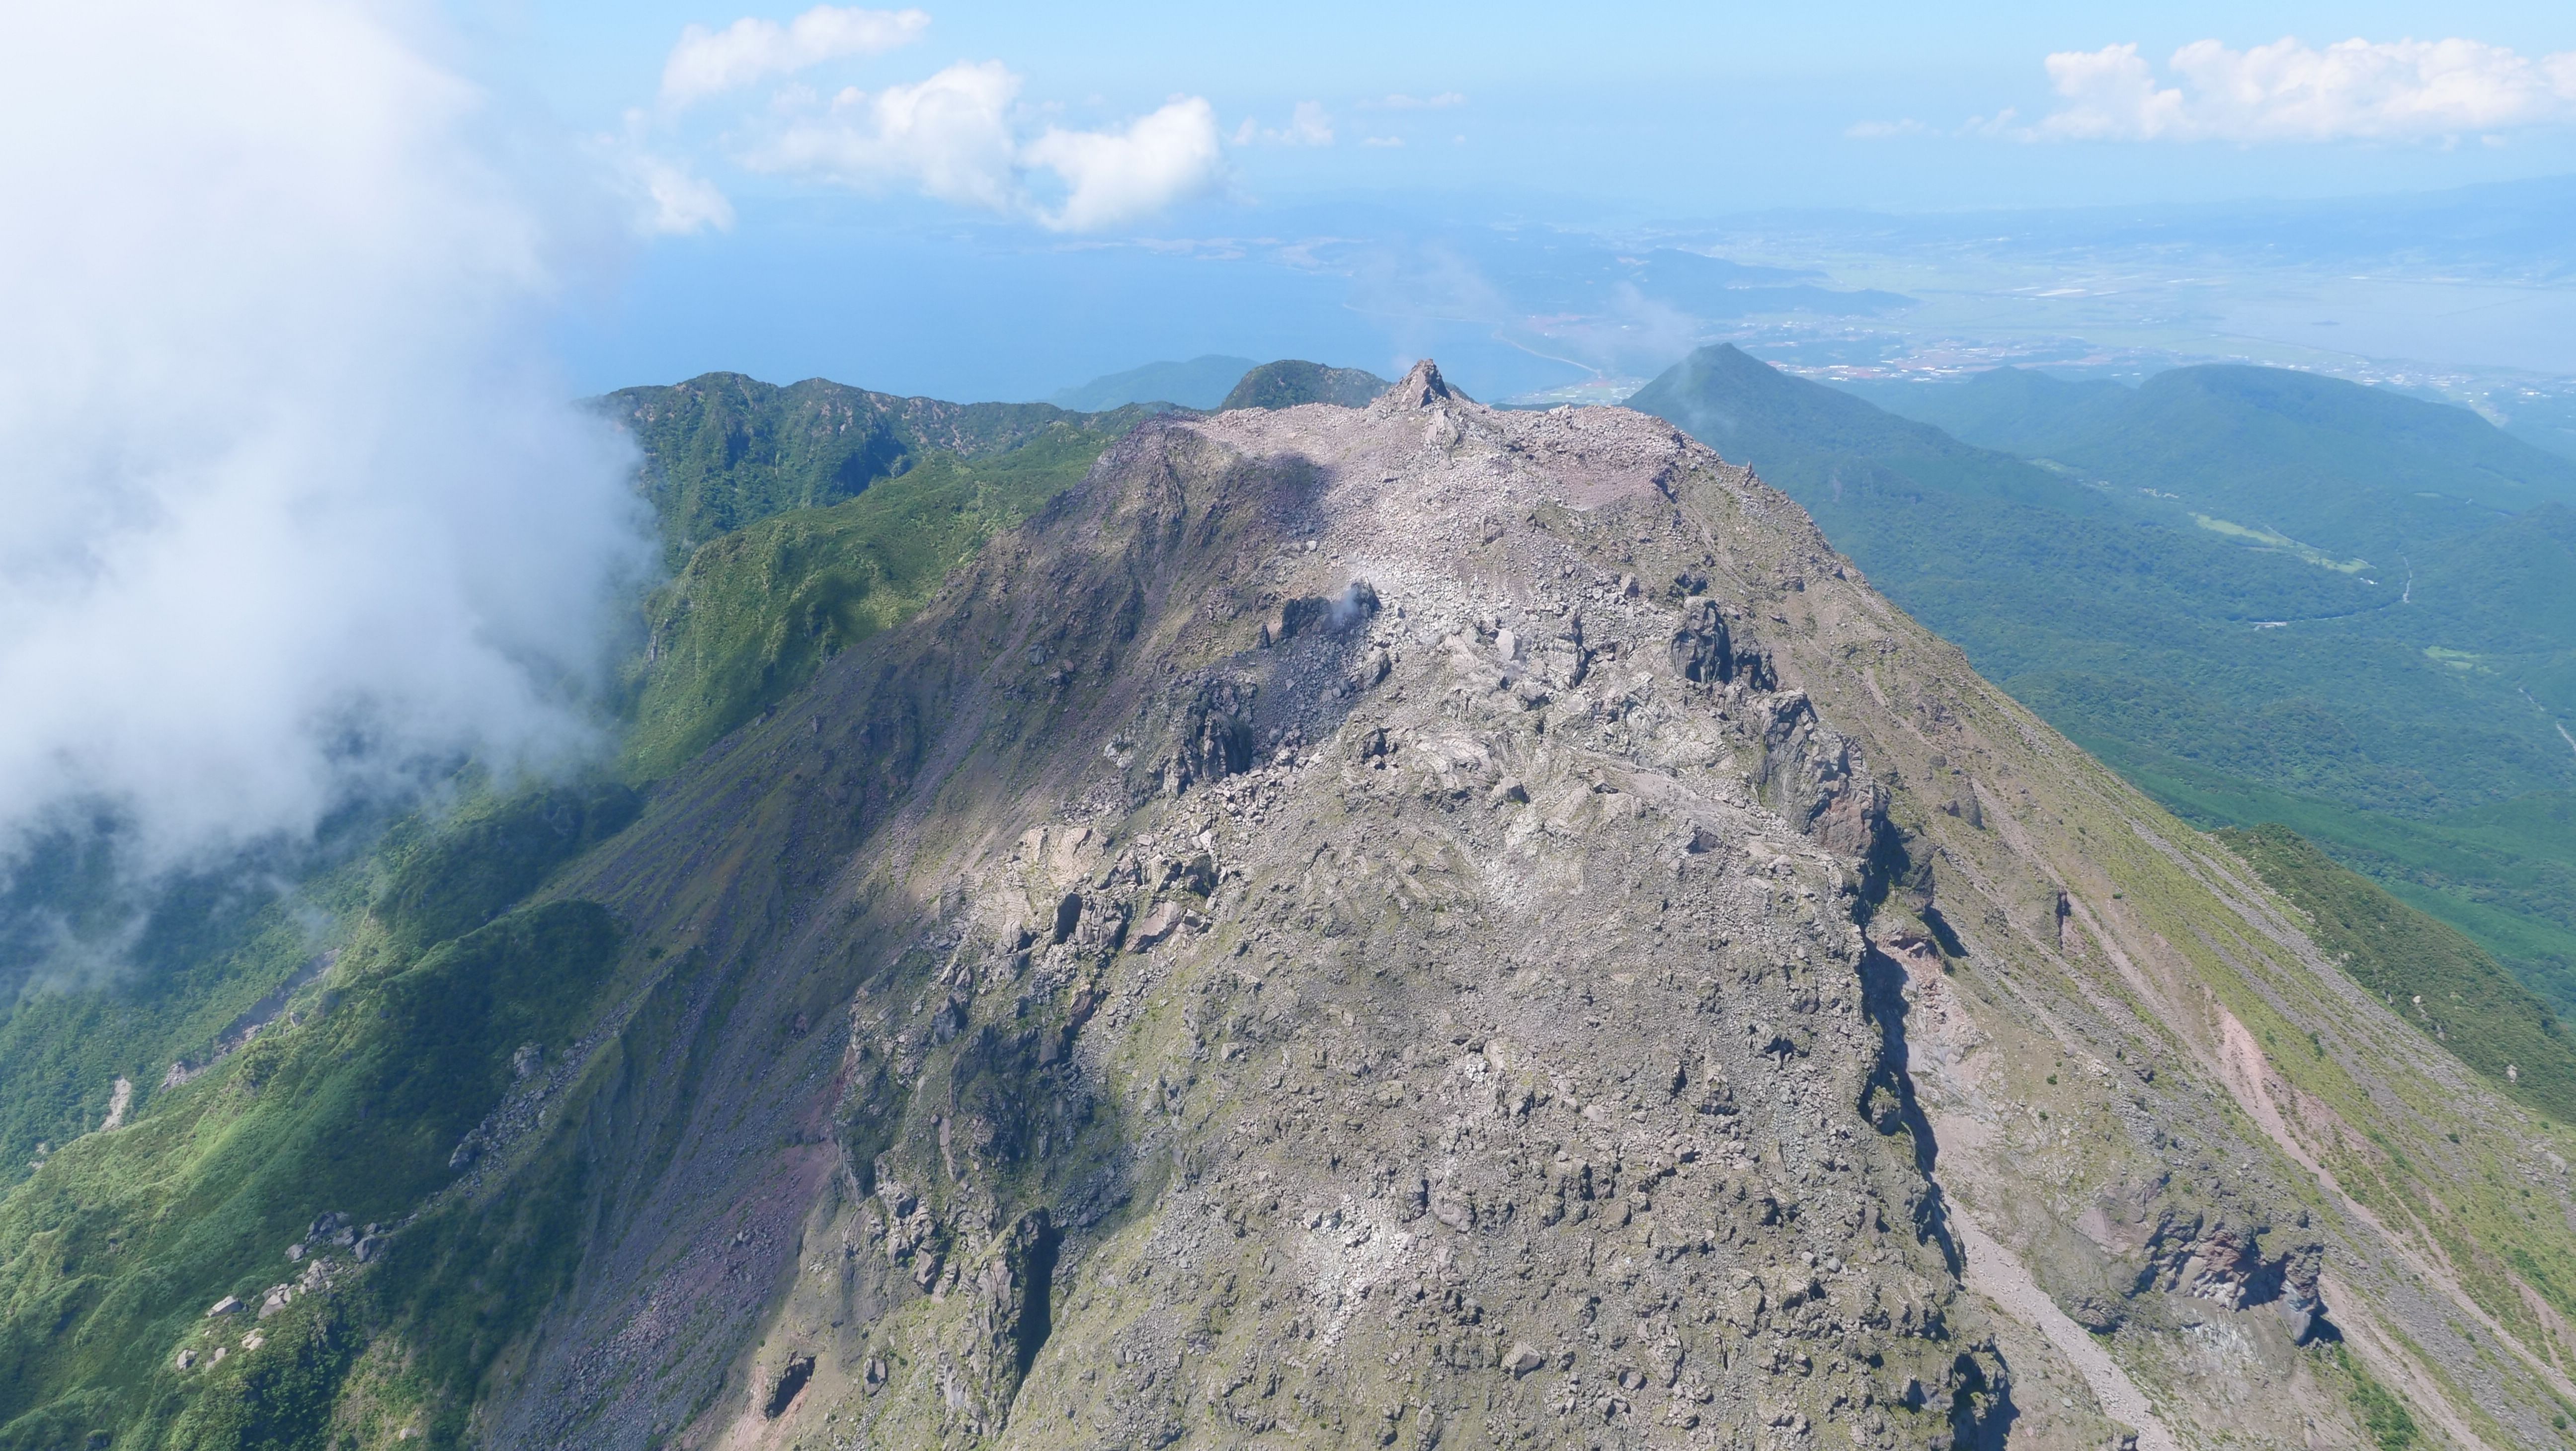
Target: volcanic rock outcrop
<point>1424,925</point>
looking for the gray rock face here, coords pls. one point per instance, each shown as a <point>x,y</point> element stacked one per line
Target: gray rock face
<point>1453,1087</point>
<point>1517,1006</point>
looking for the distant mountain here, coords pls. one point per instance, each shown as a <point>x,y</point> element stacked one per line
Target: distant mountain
<point>1832,442</point>
<point>1201,382</point>
<point>2410,721</point>
<point>1290,382</point>
<point>2355,471</point>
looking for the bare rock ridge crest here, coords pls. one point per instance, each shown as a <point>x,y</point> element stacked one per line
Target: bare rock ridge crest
<point>1421,925</point>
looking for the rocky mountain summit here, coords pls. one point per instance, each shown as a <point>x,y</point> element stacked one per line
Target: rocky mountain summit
<point>1420,925</point>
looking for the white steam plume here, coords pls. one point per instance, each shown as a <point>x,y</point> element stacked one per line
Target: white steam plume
<point>290,503</point>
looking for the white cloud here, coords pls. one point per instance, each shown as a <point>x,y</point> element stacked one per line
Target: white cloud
<point>295,508</point>
<point>680,202</point>
<point>2003,124</point>
<point>1386,141</point>
<point>2286,91</point>
<point>1402,102</point>
<point>709,63</point>
<point>664,198</point>
<point>1309,124</point>
<point>949,136</point>
<point>1884,130</point>
<point>953,137</point>
<point>1116,177</point>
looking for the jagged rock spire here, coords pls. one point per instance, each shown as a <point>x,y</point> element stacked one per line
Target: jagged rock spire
<point>1421,388</point>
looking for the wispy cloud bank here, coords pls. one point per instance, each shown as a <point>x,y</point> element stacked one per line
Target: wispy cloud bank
<point>960,136</point>
<point>1402,102</point>
<point>1113,177</point>
<point>953,137</point>
<point>711,62</point>
<point>295,508</point>
<point>2287,91</point>
<point>1309,124</point>
<point>948,136</point>
<point>664,198</point>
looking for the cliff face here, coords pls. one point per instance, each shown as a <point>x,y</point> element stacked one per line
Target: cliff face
<point>1423,925</point>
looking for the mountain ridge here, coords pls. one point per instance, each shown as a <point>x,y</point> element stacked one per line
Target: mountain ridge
<point>2002,931</point>
<point>723,450</point>
<point>2349,468</point>
<point>1410,924</point>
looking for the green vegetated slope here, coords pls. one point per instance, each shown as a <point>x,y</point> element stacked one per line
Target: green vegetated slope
<point>755,612</point>
<point>354,1099</point>
<point>140,980</point>
<point>1290,382</point>
<point>2405,714</point>
<point>101,981</point>
<point>723,451</point>
<point>336,1041</point>
<point>2435,977</point>
<point>2352,470</point>
<point>190,969</point>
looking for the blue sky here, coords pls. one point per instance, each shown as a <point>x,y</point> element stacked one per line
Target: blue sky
<point>807,243</point>
<point>1722,105</point>
<point>302,293</point>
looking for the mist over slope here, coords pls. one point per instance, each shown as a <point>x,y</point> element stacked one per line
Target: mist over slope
<point>293,519</point>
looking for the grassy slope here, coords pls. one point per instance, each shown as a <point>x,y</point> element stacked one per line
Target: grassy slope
<point>206,955</point>
<point>2505,875</point>
<point>2436,978</point>
<point>211,953</point>
<point>125,987</point>
<point>2415,742</point>
<point>724,451</point>
<point>111,1253</point>
<point>755,613</point>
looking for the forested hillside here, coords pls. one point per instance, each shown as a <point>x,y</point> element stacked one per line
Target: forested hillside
<point>2155,581</point>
